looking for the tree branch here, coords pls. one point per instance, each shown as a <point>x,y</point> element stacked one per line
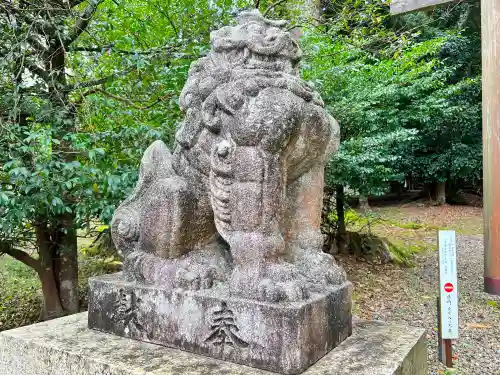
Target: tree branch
<point>125,52</point>
<point>74,3</point>
<point>272,6</point>
<point>91,49</point>
<point>167,16</point>
<point>97,82</point>
<point>19,255</point>
<point>110,47</point>
<point>124,100</point>
<point>82,22</point>
<point>36,44</point>
<point>43,74</point>
<point>25,15</point>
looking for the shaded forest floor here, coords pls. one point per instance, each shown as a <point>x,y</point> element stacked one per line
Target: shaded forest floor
<point>408,295</point>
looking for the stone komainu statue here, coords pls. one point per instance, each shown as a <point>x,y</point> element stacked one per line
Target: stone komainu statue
<point>239,201</point>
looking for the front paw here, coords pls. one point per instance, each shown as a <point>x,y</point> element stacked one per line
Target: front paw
<point>196,278</point>
<point>269,282</point>
<point>320,268</point>
<point>290,291</point>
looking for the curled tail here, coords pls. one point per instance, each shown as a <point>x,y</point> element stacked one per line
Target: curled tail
<point>126,224</point>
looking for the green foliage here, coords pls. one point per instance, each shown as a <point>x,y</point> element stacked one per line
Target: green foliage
<point>88,89</point>
<point>52,164</point>
<point>94,263</point>
<point>130,112</point>
<point>367,240</point>
<point>411,225</point>
<point>494,304</point>
<point>127,114</point>
<point>354,220</point>
<point>406,91</point>
<point>403,253</point>
<point>20,300</point>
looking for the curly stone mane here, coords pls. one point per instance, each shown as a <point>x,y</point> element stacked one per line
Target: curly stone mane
<point>255,54</point>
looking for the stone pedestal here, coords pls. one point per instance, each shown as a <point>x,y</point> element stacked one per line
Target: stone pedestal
<point>285,338</point>
<point>67,347</point>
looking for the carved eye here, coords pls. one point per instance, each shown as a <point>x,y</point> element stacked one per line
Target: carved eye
<point>223,148</point>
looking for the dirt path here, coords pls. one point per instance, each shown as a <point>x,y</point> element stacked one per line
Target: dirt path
<point>408,295</point>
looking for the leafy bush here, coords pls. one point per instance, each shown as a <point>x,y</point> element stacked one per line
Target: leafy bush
<point>99,263</point>
<point>21,298</point>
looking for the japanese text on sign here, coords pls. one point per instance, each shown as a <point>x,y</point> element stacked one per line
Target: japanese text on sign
<point>448,289</point>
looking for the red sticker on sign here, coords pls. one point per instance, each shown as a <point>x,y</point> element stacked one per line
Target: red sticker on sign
<point>448,287</point>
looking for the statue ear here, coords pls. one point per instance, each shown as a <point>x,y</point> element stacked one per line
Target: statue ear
<point>156,162</point>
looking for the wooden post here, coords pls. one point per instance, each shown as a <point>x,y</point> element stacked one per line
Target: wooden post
<point>448,350</point>
<point>445,346</point>
<point>490,26</point>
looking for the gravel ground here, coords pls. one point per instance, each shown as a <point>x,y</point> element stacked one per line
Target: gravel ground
<point>408,295</point>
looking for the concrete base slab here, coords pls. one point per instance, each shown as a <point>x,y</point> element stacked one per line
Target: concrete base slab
<point>67,347</point>
<point>285,337</point>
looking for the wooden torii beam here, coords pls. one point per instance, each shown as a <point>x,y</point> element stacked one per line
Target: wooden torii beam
<point>404,6</point>
<point>490,34</point>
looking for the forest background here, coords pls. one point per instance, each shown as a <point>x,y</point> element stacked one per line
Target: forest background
<point>87,85</point>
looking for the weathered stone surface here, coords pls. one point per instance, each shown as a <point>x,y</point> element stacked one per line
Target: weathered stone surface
<point>285,337</point>
<point>67,347</point>
<point>221,237</point>
<point>239,198</point>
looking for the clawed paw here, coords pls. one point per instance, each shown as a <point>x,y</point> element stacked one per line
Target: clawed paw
<point>320,268</point>
<point>291,291</point>
<point>202,277</point>
<point>270,282</point>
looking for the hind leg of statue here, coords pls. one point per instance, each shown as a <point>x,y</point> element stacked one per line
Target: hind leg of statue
<point>303,233</point>
<point>149,228</point>
<point>248,213</point>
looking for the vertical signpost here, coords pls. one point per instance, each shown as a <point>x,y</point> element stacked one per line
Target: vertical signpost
<point>448,295</point>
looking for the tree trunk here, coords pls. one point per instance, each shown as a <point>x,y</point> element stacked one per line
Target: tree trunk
<point>328,226</point>
<point>440,193</point>
<point>363,203</point>
<point>341,227</point>
<point>65,255</point>
<point>52,307</point>
<point>66,265</point>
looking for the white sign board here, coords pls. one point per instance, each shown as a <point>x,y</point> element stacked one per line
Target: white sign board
<point>448,288</point>
<point>403,6</point>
